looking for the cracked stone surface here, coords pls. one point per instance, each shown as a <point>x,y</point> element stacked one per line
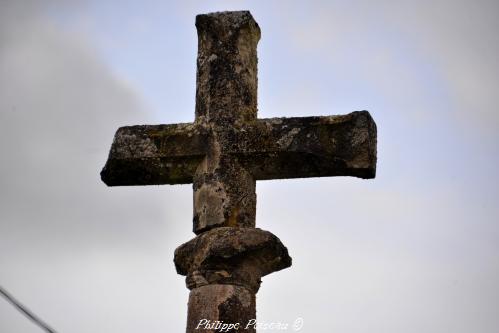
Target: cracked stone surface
<point>227,255</point>
<point>223,153</point>
<point>227,148</point>
<point>225,303</point>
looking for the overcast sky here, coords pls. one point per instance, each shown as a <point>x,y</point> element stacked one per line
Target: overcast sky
<point>414,250</point>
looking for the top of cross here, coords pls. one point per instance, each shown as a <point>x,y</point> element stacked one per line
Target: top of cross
<point>228,148</point>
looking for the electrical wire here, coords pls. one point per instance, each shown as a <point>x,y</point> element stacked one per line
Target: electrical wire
<point>25,311</point>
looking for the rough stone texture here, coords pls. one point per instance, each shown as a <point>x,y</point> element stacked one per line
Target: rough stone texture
<point>222,153</point>
<point>227,255</point>
<point>275,148</point>
<point>227,148</point>
<point>224,192</point>
<point>226,68</point>
<point>227,304</point>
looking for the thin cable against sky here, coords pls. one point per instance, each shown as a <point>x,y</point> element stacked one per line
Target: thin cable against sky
<point>25,311</point>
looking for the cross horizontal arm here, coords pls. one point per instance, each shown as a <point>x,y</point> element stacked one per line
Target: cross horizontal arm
<point>155,154</point>
<point>274,148</point>
<point>282,148</point>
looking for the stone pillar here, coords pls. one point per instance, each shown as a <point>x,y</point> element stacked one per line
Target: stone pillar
<point>216,306</point>
<point>224,267</point>
<point>224,263</point>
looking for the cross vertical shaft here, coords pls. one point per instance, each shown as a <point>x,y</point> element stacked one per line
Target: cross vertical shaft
<point>226,96</point>
<point>224,192</point>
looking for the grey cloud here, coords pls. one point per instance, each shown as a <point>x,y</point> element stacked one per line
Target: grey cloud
<point>460,37</point>
<point>454,40</point>
<point>59,108</point>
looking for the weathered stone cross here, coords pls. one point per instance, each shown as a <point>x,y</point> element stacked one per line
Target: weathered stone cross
<point>223,153</point>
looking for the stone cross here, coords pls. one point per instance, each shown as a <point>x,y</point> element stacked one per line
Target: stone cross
<point>223,153</point>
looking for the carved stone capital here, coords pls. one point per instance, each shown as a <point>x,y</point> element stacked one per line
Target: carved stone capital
<point>227,255</point>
